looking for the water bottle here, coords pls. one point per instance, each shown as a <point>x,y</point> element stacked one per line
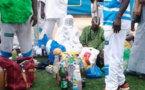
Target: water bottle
<point>77,76</point>
<point>75,86</point>
<point>70,76</point>
<point>14,54</point>
<point>82,73</point>
<point>56,65</point>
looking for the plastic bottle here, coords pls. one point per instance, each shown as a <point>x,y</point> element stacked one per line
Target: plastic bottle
<point>71,59</point>
<point>70,76</point>
<point>82,72</point>
<point>63,82</point>
<point>126,57</point>
<point>14,54</point>
<point>1,79</point>
<point>75,86</point>
<point>56,65</point>
<point>42,47</point>
<point>77,76</point>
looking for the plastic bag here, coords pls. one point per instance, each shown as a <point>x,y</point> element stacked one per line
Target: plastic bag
<point>43,41</point>
<point>51,45</point>
<point>94,72</point>
<point>90,55</point>
<point>126,57</point>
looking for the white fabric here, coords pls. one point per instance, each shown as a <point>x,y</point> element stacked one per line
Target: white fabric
<point>68,35</point>
<point>113,58</point>
<point>49,26</point>
<point>24,35</point>
<point>48,46</point>
<point>55,11</point>
<point>137,56</point>
<point>55,8</point>
<point>40,20</point>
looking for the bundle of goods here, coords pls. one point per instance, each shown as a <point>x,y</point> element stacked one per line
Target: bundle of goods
<point>18,73</point>
<point>68,69</point>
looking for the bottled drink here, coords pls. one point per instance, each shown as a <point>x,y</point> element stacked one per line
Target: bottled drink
<point>56,65</point>
<point>14,54</point>
<point>78,78</point>
<point>42,47</point>
<point>70,76</point>
<point>63,82</point>
<point>82,72</point>
<point>75,86</point>
<point>1,79</point>
<point>71,60</point>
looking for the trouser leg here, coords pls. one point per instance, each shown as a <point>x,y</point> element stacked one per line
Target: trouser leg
<point>59,21</point>
<point>24,35</point>
<point>49,26</point>
<point>7,35</point>
<point>113,58</point>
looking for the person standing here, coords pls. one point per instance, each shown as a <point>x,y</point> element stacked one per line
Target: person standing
<point>117,21</point>
<point>137,59</point>
<point>16,18</point>
<point>53,11</point>
<point>100,10</point>
<point>40,20</point>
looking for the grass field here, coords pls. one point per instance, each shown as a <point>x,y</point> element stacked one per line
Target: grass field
<point>45,81</point>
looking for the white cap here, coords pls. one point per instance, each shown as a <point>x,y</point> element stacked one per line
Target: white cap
<point>77,67</point>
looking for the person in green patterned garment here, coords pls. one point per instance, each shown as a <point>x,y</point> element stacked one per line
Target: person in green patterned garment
<point>93,36</point>
<point>16,18</point>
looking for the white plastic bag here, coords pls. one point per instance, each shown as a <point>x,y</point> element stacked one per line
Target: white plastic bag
<point>92,54</point>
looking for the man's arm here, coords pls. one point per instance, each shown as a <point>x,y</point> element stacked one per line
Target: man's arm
<point>117,22</point>
<point>142,1</point>
<point>42,10</point>
<point>34,17</point>
<point>83,38</point>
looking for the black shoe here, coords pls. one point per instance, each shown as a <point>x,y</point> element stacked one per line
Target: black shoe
<point>130,73</point>
<point>142,76</point>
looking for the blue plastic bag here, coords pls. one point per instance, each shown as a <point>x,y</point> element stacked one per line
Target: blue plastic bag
<point>54,45</point>
<point>94,72</point>
<point>43,41</point>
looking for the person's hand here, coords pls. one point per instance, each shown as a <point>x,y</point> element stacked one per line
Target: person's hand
<point>129,38</point>
<point>102,54</point>
<point>117,25</point>
<point>34,19</point>
<point>132,27</point>
<point>92,1</point>
<point>42,14</point>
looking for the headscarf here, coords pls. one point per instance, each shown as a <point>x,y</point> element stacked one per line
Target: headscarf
<point>67,34</point>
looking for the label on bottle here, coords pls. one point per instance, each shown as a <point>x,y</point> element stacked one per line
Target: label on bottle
<point>71,60</point>
<point>67,77</point>
<point>64,84</point>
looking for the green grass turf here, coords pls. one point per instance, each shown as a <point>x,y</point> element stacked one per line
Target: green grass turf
<point>45,81</point>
